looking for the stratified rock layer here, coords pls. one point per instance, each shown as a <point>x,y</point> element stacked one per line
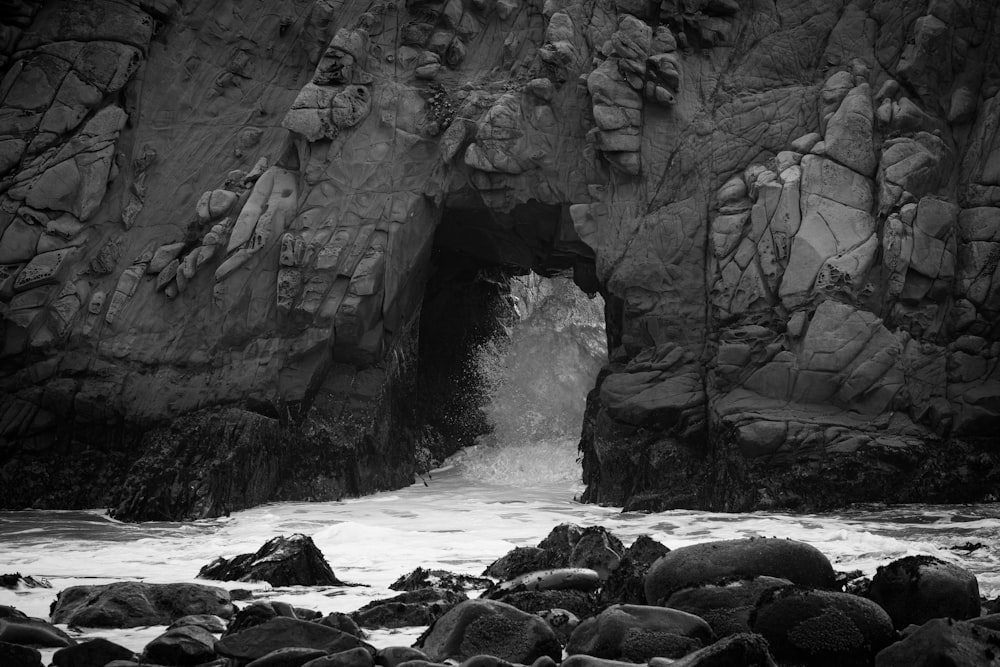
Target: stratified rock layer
<point>217,221</point>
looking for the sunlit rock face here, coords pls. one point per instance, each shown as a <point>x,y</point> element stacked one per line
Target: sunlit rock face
<point>218,219</point>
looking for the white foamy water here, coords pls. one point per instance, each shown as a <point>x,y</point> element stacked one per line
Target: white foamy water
<point>509,491</point>
<point>457,522</point>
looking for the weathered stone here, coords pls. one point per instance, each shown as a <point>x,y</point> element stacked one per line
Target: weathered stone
<point>613,139</point>
<point>916,589</point>
<point>187,645</point>
<point>281,561</point>
<point>637,632</point>
<point>823,627</point>
<point>942,641</point>
<point>131,604</point>
<point>260,640</point>
<point>709,562</point>
<point>479,627</point>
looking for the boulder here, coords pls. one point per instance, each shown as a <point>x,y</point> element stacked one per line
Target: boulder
<point>635,633</point>
<point>291,656</point>
<point>625,585</point>
<point>798,562</point>
<point>15,655</point>
<point>343,622</point>
<point>942,641</point>
<point>129,604</point>
<point>478,627</point>
<point>421,578</point>
<point>915,589</point>
<point>566,578</point>
<point>582,605</point>
<point>259,612</point>
<point>727,605</point>
<point>281,632</point>
<point>392,656</point>
<point>33,632</point>
<point>419,607</point>
<point>561,540</point>
<point>281,561</point>
<point>355,657</point>
<point>209,622</point>
<point>186,645</point>
<point>95,652</point>
<point>821,628</point>
<point>522,560</point>
<point>738,650</point>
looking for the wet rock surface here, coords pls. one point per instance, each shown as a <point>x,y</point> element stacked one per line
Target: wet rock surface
<point>797,246</point>
<point>131,604</point>
<point>281,561</point>
<point>733,621</point>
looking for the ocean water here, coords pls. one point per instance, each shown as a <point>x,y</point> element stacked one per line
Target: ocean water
<point>509,491</point>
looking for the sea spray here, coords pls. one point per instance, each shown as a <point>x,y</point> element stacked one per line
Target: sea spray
<point>538,377</point>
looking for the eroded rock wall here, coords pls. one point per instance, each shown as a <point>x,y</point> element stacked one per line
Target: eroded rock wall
<point>226,210</point>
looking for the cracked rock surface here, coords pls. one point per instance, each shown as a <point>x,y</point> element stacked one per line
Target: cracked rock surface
<point>217,219</point>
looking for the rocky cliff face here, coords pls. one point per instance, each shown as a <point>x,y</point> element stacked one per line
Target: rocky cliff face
<point>218,219</point>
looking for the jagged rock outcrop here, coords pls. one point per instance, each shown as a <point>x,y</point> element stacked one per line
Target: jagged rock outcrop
<point>220,218</point>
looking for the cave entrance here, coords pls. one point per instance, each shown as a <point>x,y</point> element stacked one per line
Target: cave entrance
<point>511,329</point>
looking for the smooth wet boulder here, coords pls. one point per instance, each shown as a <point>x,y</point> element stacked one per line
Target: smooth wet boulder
<point>422,578</point>
<point>281,632</point>
<point>798,562</point>
<point>522,560</point>
<point>582,605</point>
<point>33,632</point>
<point>343,622</point>
<point>636,633</point>
<point>6,611</point>
<point>210,622</point>
<point>821,628</point>
<point>915,589</point>
<point>355,657</point>
<point>581,660</point>
<point>727,605</point>
<point>281,561</point>
<point>290,656</point>
<point>183,646</point>
<point>943,641</point>
<point>739,650</point>
<point>565,578</point>
<point>95,652</point>
<point>15,655</point>
<point>392,656</point>
<point>625,585</point>
<point>419,607</point>
<point>129,604</point>
<point>477,627</point>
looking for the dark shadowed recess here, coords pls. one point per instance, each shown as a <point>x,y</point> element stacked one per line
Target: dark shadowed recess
<point>467,308</point>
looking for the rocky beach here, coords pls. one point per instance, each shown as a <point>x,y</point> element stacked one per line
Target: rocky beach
<point>579,596</point>
<point>482,333</point>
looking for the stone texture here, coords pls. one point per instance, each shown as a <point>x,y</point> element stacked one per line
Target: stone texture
<point>710,562</point>
<point>821,627</point>
<point>634,633</point>
<point>132,604</point>
<point>916,589</point>
<point>487,627</point>
<point>840,173</point>
<point>281,561</point>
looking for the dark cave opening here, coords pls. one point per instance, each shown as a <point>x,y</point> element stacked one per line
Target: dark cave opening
<point>468,304</point>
